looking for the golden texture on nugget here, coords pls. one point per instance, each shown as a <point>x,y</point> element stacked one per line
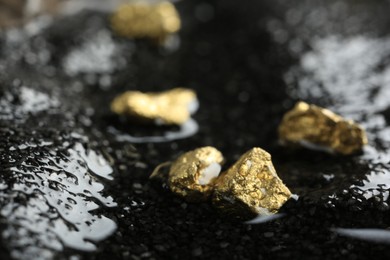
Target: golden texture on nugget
<point>193,174</point>
<point>142,20</point>
<point>251,186</point>
<point>318,128</point>
<point>169,107</point>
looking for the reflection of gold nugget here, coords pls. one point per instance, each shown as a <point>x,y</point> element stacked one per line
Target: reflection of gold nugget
<point>141,20</point>
<point>319,128</point>
<point>251,186</point>
<point>192,175</point>
<point>169,107</point>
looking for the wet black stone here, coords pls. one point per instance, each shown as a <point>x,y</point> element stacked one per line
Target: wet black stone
<point>237,62</point>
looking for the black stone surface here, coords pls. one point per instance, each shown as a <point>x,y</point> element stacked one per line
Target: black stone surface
<point>249,62</point>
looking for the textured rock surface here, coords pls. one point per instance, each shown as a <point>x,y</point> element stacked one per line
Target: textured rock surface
<point>186,173</point>
<point>320,129</point>
<point>250,187</point>
<point>249,63</point>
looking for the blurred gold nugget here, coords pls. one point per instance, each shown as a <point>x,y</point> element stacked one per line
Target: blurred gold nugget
<point>169,107</point>
<point>193,174</point>
<point>142,20</point>
<point>251,186</point>
<point>321,129</point>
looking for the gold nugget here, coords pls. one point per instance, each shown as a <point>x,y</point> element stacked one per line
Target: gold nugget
<point>142,20</point>
<point>251,186</point>
<point>169,107</point>
<point>193,174</point>
<point>321,129</point>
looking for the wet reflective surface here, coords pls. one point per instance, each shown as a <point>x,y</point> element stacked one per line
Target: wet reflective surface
<point>74,181</point>
<point>50,201</point>
<point>374,235</point>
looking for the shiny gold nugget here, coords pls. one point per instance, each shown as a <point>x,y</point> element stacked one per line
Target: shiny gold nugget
<point>169,107</point>
<point>321,129</point>
<point>142,20</point>
<point>193,174</point>
<point>251,186</point>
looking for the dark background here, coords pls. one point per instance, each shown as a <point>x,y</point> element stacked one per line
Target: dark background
<point>236,55</point>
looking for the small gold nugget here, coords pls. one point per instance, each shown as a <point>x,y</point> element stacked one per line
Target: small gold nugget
<point>321,129</point>
<point>169,107</point>
<point>193,174</point>
<point>251,186</point>
<point>142,20</point>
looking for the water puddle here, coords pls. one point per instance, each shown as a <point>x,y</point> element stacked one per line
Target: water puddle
<point>264,219</point>
<point>186,130</point>
<point>49,198</point>
<point>371,235</point>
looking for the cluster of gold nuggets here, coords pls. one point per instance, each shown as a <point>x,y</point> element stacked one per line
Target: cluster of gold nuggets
<point>251,185</point>
<point>248,188</point>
